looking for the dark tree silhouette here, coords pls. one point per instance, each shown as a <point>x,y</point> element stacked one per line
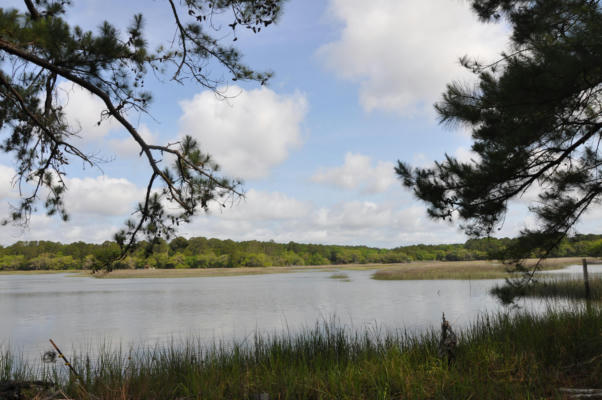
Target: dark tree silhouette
<point>535,117</point>
<point>40,48</point>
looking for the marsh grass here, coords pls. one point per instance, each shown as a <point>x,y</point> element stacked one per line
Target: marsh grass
<point>463,269</point>
<point>340,276</point>
<point>444,270</point>
<point>498,357</point>
<point>412,270</point>
<point>557,287</point>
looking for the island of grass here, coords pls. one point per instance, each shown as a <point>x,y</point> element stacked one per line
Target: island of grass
<point>466,269</point>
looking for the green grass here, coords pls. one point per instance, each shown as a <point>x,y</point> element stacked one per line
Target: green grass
<point>499,357</point>
<point>340,276</point>
<point>557,287</point>
<point>464,269</point>
<point>440,275</point>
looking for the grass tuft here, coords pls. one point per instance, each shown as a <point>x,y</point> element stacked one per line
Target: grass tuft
<point>340,276</point>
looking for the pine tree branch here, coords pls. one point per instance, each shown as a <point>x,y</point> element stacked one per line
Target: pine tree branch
<point>49,134</point>
<point>143,218</point>
<point>188,204</point>
<point>32,10</point>
<point>67,74</point>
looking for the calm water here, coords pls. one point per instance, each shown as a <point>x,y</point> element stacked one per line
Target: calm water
<point>81,313</point>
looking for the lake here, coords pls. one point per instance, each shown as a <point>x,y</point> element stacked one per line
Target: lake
<point>81,312</point>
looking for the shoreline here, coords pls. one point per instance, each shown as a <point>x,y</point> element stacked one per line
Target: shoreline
<point>416,270</point>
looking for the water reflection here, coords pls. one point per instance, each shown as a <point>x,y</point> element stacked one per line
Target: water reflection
<point>575,270</point>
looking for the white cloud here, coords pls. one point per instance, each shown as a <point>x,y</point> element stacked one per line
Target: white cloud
<point>128,147</point>
<point>6,178</point>
<point>354,215</point>
<point>83,112</point>
<point>276,216</point>
<point>102,196</point>
<point>465,155</point>
<point>462,154</point>
<point>531,195</point>
<point>258,205</point>
<point>247,134</point>
<point>403,53</point>
<point>97,208</point>
<point>42,227</point>
<point>80,230</point>
<point>357,172</point>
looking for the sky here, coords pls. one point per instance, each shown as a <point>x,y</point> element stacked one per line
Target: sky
<point>353,92</point>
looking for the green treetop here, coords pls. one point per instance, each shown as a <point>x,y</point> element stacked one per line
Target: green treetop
<point>535,117</point>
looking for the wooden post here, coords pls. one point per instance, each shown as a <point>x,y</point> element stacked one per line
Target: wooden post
<point>586,280</point>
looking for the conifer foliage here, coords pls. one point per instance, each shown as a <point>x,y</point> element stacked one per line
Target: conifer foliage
<point>40,47</point>
<point>535,117</point>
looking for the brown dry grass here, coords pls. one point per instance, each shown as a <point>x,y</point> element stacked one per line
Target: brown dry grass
<point>201,272</point>
<point>42,272</point>
<point>464,269</point>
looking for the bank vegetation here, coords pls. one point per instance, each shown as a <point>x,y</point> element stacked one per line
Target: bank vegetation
<point>203,253</point>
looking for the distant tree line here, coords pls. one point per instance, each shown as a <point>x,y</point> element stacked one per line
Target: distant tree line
<point>200,252</point>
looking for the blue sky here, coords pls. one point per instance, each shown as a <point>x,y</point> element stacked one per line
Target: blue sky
<point>353,91</point>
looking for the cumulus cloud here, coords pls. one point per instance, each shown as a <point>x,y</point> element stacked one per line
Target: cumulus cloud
<point>357,172</point>
<point>83,112</point>
<point>97,207</point>
<point>465,155</point>
<point>103,196</point>
<point>43,227</point>
<point>80,230</point>
<point>354,215</point>
<point>258,205</point>
<point>403,53</point>
<point>249,133</point>
<point>128,147</point>
<point>6,177</point>
<point>273,215</point>
<point>462,154</point>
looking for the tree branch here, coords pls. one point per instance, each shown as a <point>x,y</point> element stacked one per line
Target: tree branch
<point>11,49</point>
<point>32,10</point>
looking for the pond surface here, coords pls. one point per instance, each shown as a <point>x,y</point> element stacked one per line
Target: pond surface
<point>81,313</point>
<point>575,271</point>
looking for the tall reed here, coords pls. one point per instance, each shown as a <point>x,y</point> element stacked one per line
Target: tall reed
<point>497,357</point>
<point>557,287</point>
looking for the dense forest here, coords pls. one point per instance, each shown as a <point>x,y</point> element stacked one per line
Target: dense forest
<point>200,252</point>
